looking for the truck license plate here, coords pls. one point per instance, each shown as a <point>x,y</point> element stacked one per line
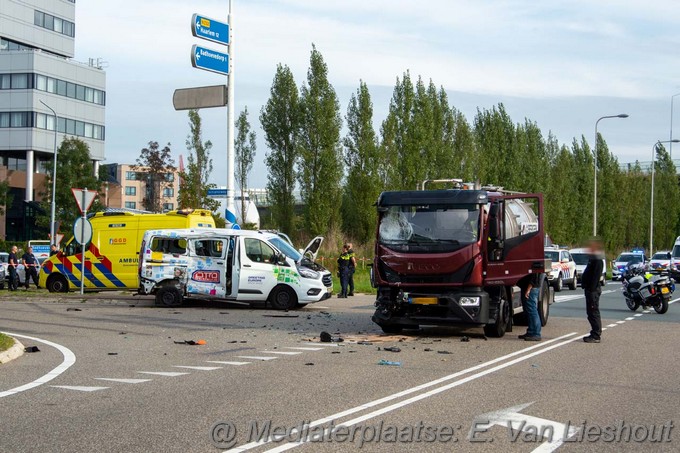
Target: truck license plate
<point>425,301</point>
<point>664,290</point>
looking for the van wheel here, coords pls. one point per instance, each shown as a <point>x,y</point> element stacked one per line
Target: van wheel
<point>283,298</point>
<point>169,296</point>
<point>56,284</point>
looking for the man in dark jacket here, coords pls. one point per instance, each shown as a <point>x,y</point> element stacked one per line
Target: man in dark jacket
<point>590,282</point>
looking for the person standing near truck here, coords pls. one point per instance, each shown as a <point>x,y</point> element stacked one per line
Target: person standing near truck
<point>12,266</point>
<point>344,271</point>
<point>590,282</point>
<point>31,265</point>
<point>530,286</point>
<point>352,268</point>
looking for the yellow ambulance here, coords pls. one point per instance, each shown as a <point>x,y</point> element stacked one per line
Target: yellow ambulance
<point>111,259</point>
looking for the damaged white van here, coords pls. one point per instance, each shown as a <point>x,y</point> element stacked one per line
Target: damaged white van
<point>225,264</point>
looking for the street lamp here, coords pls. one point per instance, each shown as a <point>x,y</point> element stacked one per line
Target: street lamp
<point>622,115</point>
<point>651,215</point>
<point>671,139</point>
<point>53,211</point>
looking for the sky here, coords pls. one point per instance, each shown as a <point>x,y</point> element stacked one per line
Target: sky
<point>561,63</point>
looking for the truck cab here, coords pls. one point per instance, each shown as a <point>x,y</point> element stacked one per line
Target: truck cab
<point>455,257</point>
<point>224,264</point>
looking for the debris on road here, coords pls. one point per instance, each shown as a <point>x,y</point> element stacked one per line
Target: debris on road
<point>31,349</point>
<point>392,349</point>
<point>309,364</point>
<point>465,339</point>
<point>325,337</point>
<point>192,342</point>
<point>427,349</point>
<point>113,353</point>
<point>444,352</point>
<point>73,309</point>
<point>388,363</point>
<point>365,343</point>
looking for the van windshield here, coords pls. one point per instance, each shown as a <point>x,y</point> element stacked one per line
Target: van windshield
<point>581,259</point>
<point>429,228</point>
<point>285,248</point>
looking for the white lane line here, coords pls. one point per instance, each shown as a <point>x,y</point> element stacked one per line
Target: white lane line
<point>79,388</point>
<point>560,299</point>
<point>228,363</point>
<point>409,391</point>
<point>630,319</point>
<point>69,359</point>
<point>282,352</point>
<point>163,373</point>
<point>430,393</point>
<point>304,349</point>
<point>327,345</point>
<point>199,368</point>
<point>638,315</point>
<point>611,325</point>
<point>620,322</point>
<point>124,381</point>
<point>647,311</point>
<point>255,357</point>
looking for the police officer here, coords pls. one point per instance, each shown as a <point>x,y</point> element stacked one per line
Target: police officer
<point>352,268</point>
<point>344,271</point>
<point>12,267</point>
<point>31,264</point>
<point>53,250</point>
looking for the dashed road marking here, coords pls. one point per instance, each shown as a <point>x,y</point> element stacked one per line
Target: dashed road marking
<point>638,315</point>
<point>228,363</point>
<point>282,352</point>
<point>124,381</point>
<point>620,322</point>
<point>254,357</point>
<point>304,349</point>
<point>630,319</point>
<point>611,325</point>
<point>199,368</point>
<point>79,388</point>
<point>333,345</point>
<point>163,373</point>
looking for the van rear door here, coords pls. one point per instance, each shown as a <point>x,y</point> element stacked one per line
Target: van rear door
<point>207,274</point>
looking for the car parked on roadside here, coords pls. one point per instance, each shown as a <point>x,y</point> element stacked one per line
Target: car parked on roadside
<point>660,262</point>
<point>621,263</point>
<point>563,269</point>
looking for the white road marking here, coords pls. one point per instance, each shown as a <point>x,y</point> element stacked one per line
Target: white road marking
<point>124,381</point>
<point>560,299</point>
<point>199,368</point>
<point>69,359</point>
<point>428,394</point>
<point>228,363</point>
<point>281,352</point>
<point>611,325</point>
<point>254,357</point>
<point>647,311</point>
<point>325,344</point>
<point>638,315</point>
<point>630,319</point>
<point>304,349</point>
<point>79,388</point>
<point>620,322</point>
<point>163,373</point>
<point>411,390</point>
<point>604,328</point>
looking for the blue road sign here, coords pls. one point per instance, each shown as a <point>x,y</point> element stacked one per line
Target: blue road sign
<point>210,29</point>
<point>209,60</point>
<point>217,192</point>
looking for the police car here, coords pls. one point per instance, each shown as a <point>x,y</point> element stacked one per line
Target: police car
<point>660,262</point>
<point>621,263</point>
<point>563,269</point>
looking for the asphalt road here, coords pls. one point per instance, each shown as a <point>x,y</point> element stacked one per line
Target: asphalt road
<point>112,378</point>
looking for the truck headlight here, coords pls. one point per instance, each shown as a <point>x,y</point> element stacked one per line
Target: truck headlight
<point>469,301</point>
<point>308,273</point>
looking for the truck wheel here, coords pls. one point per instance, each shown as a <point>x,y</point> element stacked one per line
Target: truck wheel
<point>498,329</point>
<point>544,305</point>
<point>169,296</point>
<point>56,284</point>
<point>283,298</point>
<point>574,282</point>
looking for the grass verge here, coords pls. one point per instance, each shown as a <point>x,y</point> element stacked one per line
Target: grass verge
<point>5,342</point>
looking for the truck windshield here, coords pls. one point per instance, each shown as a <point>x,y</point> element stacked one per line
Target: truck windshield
<point>285,248</point>
<point>434,228</point>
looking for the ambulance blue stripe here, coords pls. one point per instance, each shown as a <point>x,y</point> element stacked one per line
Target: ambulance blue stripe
<point>76,281</point>
<point>61,268</point>
<point>108,274</point>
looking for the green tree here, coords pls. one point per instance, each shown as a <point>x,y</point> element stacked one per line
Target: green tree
<point>194,185</point>
<point>74,169</point>
<point>320,170</point>
<point>245,147</point>
<point>363,161</point>
<point>153,166</point>
<point>397,137</point>
<point>280,120</point>
<point>666,200</point>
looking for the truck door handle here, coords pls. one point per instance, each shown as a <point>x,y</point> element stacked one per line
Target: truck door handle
<point>247,265</point>
<point>220,262</point>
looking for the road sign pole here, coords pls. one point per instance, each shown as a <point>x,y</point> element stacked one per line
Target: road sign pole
<point>82,246</point>
<point>231,212</point>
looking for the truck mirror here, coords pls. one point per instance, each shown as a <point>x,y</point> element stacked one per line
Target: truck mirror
<point>494,222</point>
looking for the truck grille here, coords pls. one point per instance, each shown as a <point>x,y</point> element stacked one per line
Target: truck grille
<point>327,280</point>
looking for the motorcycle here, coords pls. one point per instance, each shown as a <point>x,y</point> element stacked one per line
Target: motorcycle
<point>643,289</point>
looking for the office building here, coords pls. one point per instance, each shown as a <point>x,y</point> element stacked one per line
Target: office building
<point>126,188</point>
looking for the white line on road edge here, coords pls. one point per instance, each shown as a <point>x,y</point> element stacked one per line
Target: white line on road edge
<point>395,396</point>
<point>163,373</point>
<point>69,359</point>
<point>430,393</point>
<point>79,388</point>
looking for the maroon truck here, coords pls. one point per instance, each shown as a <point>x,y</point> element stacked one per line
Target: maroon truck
<point>455,256</point>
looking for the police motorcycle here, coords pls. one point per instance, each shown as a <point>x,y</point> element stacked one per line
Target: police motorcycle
<point>643,289</point>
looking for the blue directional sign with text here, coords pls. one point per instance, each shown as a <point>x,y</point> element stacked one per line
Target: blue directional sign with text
<point>209,60</point>
<point>210,29</point>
